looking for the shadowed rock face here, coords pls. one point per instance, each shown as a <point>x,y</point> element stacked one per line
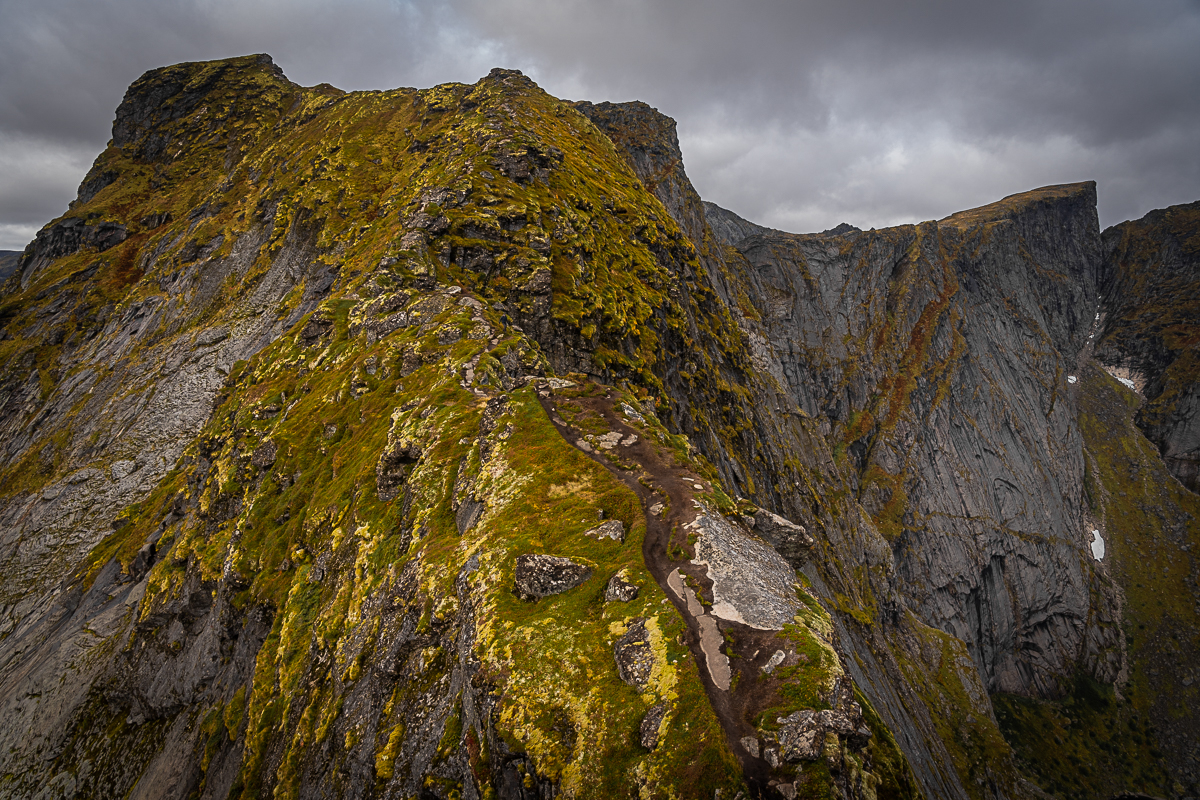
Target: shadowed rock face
<point>937,356</point>
<point>940,363</point>
<point>1151,327</point>
<point>8,263</point>
<point>273,461</point>
<point>935,359</point>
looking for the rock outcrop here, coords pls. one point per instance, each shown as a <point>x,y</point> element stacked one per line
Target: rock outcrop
<point>8,263</point>
<point>284,416</point>
<point>539,576</point>
<point>957,430</point>
<point>1149,328</point>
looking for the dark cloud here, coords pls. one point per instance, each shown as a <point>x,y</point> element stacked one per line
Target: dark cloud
<point>803,114</point>
<point>797,115</point>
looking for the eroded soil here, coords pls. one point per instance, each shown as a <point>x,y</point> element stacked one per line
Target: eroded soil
<point>668,493</point>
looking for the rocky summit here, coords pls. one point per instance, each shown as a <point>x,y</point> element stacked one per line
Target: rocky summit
<point>444,444</point>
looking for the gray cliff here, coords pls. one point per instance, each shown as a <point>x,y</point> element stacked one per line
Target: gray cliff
<point>288,452</point>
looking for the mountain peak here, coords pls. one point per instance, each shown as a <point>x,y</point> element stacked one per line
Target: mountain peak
<point>444,443</point>
<point>1082,194</point>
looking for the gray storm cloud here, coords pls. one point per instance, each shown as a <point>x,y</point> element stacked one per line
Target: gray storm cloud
<point>795,115</point>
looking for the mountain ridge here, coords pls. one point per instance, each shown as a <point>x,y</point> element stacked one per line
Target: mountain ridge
<point>266,447</point>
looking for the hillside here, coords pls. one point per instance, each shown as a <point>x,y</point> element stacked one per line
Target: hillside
<point>444,443</point>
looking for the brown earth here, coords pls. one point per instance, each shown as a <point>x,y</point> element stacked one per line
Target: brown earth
<point>655,476</point>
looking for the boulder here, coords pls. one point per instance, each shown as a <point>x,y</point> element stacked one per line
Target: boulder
<point>775,660</point>
<point>750,745</point>
<point>801,736</point>
<point>540,576</point>
<point>264,455</point>
<point>789,539</point>
<point>613,529</point>
<point>650,725</point>
<point>619,589</point>
<point>635,659</point>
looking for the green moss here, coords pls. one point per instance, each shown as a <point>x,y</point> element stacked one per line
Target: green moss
<point>1151,528</point>
<point>102,749</point>
<point>235,711</point>
<point>558,650</point>
<point>814,781</point>
<point>1101,745</point>
<point>948,685</point>
<point>308,536</point>
<point>896,780</point>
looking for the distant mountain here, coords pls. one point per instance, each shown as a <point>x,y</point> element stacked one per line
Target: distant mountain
<point>8,263</point>
<point>444,443</point>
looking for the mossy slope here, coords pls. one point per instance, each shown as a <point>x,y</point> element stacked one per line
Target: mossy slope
<point>339,622</point>
<point>1150,329</point>
<point>320,563</point>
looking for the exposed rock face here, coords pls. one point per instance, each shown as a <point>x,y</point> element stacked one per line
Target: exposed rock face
<point>274,460</point>
<point>539,576</point>
<point>914,298</point>
<point>789,539</point>
<point>143,128</point>
<point>957,480</point>
<point>728,227</point>
<point>142,385</point>
<point>716,663</point>
<point>1150,327</point>
<point>65,238</point>
<point>751,583</point>
<point>891,341</point>
<point>393,467</point>
<point>634,656</point>
<point>8,263</point>
<point>619,589</point>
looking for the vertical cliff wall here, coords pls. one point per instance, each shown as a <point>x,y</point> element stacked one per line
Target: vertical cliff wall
<point>943,365</point>
<point>432,443</point>
<point>1150,332</point>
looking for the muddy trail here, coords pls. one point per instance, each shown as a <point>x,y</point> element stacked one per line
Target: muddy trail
<point>730,655</point>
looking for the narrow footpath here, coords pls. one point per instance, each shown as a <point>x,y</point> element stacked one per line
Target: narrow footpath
<point>667,492</point>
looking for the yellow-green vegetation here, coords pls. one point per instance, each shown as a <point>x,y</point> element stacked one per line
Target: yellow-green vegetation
<point>315,507</point>
<point>1088,744</point>
<point>279,503</point>
<point>946,680</point>
<point>812,681</point>
<point>895,777</point>
<point>492,185</point>
<point>564,703</point>
<point>354,505</point>
<point>1010,206</point>
<point>1151,529</point>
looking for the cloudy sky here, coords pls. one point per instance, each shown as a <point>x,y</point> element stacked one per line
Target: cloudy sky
<point>798,115</point>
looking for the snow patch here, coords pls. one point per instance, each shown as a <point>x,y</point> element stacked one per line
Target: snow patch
<point>1129,378</point>
<point>1097,545</point>
<point>1071,379</point>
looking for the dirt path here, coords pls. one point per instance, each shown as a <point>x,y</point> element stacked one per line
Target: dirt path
<point>650,470</point>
